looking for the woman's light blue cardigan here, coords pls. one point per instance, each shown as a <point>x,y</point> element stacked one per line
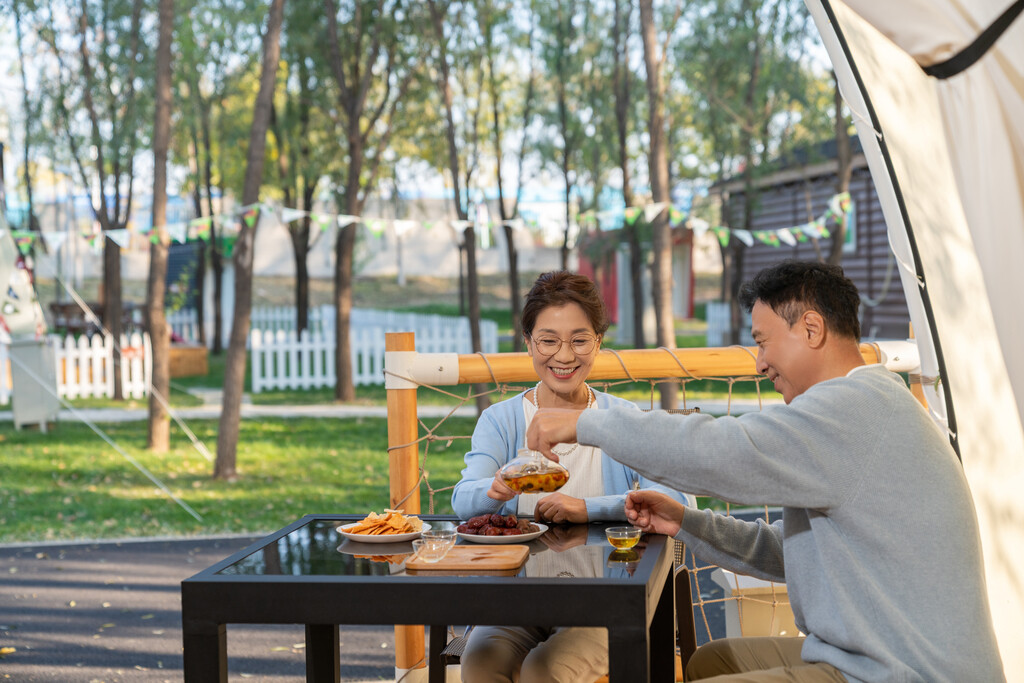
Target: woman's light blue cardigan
<point>501,432</point>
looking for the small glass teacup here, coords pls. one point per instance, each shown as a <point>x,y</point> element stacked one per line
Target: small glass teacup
<point>430,550</point>
<point>445,535</point>
<point>623,537</point>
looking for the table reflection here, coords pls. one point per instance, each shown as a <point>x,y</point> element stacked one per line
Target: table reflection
<point>574,550</point>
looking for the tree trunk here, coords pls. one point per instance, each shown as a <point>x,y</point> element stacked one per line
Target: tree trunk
<point>210,251</point>
<point>469,235</point>
<point>844,170</point>
<point>661,239</point>
<point>33,222</point>
<point>300,250</point>
<point>234,369</point>
<point>160,338</point>
<point>620,84</point>
<point>113,305</point>
<point>344,388</point>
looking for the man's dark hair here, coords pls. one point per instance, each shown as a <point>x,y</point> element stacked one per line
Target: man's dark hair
<point>792,287</point>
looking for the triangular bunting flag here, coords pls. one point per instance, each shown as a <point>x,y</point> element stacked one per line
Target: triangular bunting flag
<point>786,237</point>
<point>121,237</point>
<point>744,236</point>
<point>652,211</point>
<point>722,234</point>
<point>53,240</point>
<point>840,203</point>
<point>675,216</point>
<point>402,227</point>
<point>767,237</point>
<point>427,225</point>
<point>203,221</point>
<point>374,225</point>
<point>461,225</point>
<point>344,220</point>
<point>631,214</point>
<point>289,215</point>
<point>322,220</point>
<point>250,216</point>
<point>178,232</point>
<point>24,239</point>
<point>203,232</point>
<point>699,226</point>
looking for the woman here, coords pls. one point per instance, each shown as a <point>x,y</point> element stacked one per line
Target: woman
<point>564,321</point>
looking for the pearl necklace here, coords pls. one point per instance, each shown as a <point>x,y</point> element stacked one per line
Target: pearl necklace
<point>590,402</point>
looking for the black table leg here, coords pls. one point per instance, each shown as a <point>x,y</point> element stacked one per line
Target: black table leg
<point>205,652</point>
<point>662,634</point>
<point>323,657</point>
<point>627,655</point>
<point>438,640</point>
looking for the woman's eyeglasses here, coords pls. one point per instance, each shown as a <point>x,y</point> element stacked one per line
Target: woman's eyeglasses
<point>581,345</point>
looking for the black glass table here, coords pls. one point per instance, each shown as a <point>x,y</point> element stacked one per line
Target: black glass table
<point>306,573</point>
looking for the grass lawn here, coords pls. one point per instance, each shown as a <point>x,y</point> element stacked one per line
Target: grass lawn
<point>69,484</point>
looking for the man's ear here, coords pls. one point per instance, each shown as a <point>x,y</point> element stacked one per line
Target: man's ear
<point>814,325</point>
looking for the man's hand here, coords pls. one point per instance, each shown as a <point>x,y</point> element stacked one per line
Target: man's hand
<point>500,491</point>
<point>551,426</point>
<point>560,508</point>
<point>560,538</point>
<point>654,512</point>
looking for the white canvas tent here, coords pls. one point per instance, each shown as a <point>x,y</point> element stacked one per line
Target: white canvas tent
<point>941,115</point>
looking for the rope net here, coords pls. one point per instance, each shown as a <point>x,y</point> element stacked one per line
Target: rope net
<point>724,604</point>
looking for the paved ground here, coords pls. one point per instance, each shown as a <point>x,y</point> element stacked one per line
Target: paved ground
<point>111,612</point>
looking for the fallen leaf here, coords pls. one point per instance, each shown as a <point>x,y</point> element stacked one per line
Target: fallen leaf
<point>299,646</point>
<point>280,648</point>
<point>72,603</point>
<point>158,633</point>
<point>4,651</point>
<point>147,616</point>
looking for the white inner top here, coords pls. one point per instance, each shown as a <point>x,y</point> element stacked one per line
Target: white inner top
<point>584,465</point>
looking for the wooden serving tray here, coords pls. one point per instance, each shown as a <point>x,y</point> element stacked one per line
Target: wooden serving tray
<point>475,558</point>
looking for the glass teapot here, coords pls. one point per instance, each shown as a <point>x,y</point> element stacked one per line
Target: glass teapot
<point>531,472</point>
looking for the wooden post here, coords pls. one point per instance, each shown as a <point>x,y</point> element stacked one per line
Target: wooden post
<point>915,380</point>
<point>403,473</point>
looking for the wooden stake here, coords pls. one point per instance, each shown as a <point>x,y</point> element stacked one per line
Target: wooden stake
<point>403,473</point>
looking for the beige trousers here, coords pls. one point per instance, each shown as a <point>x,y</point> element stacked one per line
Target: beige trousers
<point>757,660</point>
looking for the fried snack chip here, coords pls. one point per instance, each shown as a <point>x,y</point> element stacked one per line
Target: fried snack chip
<point>391,522</point>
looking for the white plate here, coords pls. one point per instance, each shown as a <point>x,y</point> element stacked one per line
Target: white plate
<point>380,538</point>
<point>498,540</point>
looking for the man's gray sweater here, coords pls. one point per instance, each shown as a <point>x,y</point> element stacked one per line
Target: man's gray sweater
<point>878,542</point>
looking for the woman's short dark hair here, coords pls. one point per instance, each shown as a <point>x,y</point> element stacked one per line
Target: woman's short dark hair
<point>558,288</point>
<point>792,287</point>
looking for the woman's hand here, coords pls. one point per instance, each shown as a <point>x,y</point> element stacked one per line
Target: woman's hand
<point>654,512</point>
<point>560,509</point>
<point>500,491</point>
<point>551,426</point>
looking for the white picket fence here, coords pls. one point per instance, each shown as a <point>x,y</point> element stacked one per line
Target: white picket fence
<point>720,324</point>
<point>84,367</point>
<point>283,360</point>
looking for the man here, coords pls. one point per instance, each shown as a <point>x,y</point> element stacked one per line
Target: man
<point>878,542</point>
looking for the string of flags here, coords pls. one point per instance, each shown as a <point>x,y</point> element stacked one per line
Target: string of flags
<point>839,206</point>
